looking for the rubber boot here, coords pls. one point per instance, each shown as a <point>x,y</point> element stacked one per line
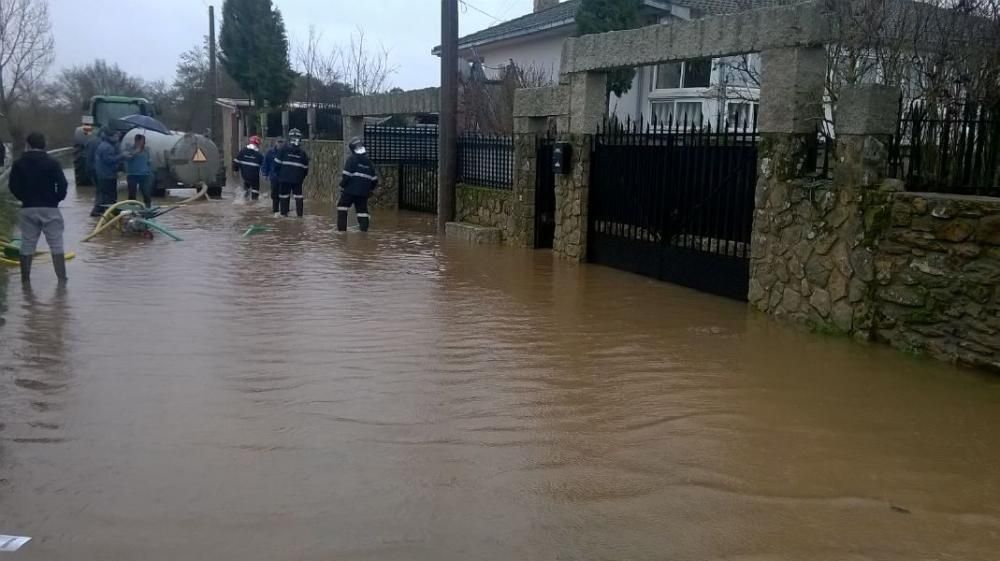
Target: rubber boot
<point>300,206</point>
<point>284,206</point>
<point>341,220</point>
<point>363,222</point>
<point>59,264</point>
<point>25,261</point>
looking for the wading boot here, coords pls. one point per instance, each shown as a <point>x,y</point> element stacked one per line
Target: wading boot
<point>341,219</point>
<point>25,261</point>
<point>59,264</point>
<point>299,206</point>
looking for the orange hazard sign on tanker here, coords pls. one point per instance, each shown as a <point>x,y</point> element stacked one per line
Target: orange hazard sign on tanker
<point>199,156</point>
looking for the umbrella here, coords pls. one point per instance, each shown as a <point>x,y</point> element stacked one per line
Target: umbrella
<point>146,122</point>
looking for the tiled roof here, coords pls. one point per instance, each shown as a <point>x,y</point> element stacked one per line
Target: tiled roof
<point>718,7</point>
<point>565,12</point>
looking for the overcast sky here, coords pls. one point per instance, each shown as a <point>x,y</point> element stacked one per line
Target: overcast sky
<point>146,37</point>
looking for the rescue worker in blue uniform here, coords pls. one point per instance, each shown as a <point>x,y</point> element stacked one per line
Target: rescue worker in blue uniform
<point>107,160</point>
<point>292,165</point>
<point>357,184</point>
<point>248,162</point>
<point>270,171</point>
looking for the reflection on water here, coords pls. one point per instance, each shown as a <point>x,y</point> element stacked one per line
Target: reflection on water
<point>307,395</point>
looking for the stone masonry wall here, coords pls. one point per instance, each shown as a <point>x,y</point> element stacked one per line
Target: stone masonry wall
<point>938,277</point>
<point>387,195</point>
<point>571,202</point>
<point>325,164</point>
<point>483,206</point>
<point>522,223</point>
<point>812,256</point>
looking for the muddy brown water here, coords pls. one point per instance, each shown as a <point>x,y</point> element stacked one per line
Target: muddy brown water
<point>303,395</point>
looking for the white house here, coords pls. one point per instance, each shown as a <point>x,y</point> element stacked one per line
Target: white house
<point>695,90</point>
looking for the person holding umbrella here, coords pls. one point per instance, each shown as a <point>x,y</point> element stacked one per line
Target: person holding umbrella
<point>138,171</point>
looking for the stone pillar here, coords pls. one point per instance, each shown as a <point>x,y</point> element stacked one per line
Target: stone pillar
<point>587,108</point>
<point>791,107</point>
<point>527,131</point>
<point>866,119</point>
<point>814,238</point>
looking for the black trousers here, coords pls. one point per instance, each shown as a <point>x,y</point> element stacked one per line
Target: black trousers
<point>360,207</point>
<point>275,194</point>
<point>140,183</point>
<point>288,192</point>
<point>251,189</point>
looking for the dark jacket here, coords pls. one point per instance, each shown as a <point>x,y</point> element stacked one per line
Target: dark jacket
<point>359,177</point>
<point>249,161</point>
<point>37,180</point>
<point>292,163</point>
<point>268,169</point>
<point>107,159</point>
<point>91,154</point>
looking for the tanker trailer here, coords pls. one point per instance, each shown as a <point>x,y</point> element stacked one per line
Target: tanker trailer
<point>181,161</point>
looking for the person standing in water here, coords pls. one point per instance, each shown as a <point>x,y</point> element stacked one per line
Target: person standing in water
<point>37,180</point>
<point>248,162</point>
<point>139,170</point>
<point>270,171</point>
<point>358,181</point>
<point>293,167</point>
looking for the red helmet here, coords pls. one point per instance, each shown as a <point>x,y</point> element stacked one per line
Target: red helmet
<point>255,140</point>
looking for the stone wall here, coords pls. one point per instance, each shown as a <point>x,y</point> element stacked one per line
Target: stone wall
<point>387,195</point>
<point>812,257</point>
<point>325,167</point>
<point>483,206</point>
<point>571,202</point>
<point>937,273</point>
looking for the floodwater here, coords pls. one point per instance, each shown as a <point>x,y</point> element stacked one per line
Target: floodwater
<point>303,395</point>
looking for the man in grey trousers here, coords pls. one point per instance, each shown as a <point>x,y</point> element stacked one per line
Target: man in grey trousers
<point>37,180</point>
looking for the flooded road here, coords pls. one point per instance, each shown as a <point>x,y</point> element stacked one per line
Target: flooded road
<point>303,395</point>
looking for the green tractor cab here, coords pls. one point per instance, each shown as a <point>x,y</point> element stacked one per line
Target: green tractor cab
<point>98,112</point>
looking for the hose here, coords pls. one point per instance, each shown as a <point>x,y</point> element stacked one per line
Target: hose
<point>41,256</point>
<point>159,228</point>
<point>107,221</point>
<point>102,226</point>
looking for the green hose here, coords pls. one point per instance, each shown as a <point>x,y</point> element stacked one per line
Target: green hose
<point>159,228</point>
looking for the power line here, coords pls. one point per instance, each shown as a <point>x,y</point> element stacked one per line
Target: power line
<point>481,11</point>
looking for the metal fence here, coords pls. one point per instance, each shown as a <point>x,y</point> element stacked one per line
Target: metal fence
<point>486,160</point>
<point>948,150</point>
<point>394,144</point>
<point>675,202</point>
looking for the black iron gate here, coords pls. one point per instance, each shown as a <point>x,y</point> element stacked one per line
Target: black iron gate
<point>414,150</point>
<point>418,185</point>
<point>675,203</point>
<point>545,195</point>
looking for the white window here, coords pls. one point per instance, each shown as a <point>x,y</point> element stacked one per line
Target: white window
<point>688,74</point>
<point>740,114</point>
<point>677,113</point>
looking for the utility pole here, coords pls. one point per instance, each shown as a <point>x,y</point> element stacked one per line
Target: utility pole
<point>448,126</point>
<point>213,79</point>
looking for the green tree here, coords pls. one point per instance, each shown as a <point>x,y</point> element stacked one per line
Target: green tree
<point>254,51</point>
<point>599,16</point>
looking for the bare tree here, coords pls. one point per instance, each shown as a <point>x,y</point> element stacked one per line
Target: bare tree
<point>26,50</point>
<point>311,62</point>
<point>488,104</point>
<point>366,71</point>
